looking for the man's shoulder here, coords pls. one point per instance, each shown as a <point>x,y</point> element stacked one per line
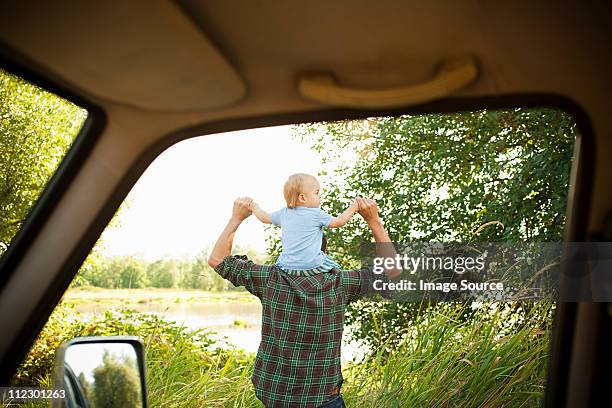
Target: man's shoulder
<point>228,261</point>
<point>363,282</point>
<point>242,262</point>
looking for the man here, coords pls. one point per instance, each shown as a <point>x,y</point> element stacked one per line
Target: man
<point>298,361</point>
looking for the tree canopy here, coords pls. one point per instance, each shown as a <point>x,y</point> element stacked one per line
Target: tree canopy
<point>36,130</point>
<point>441,177</point>
<point>116,383</point>
<point>489,175</point>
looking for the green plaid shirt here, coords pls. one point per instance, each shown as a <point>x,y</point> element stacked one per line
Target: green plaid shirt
<point>298,361</point>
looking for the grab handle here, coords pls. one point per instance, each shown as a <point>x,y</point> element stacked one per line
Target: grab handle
<point>452,75</point>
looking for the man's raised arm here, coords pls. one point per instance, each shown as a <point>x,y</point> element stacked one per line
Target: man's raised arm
<point>223,246</point>
<point>384,248</point>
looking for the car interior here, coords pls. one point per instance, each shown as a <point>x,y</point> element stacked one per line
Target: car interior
<point>153,73</point>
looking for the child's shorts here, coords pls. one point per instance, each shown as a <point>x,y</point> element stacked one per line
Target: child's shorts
<point>327,265</point>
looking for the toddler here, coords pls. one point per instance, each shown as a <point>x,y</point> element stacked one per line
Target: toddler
<point>301,225</point>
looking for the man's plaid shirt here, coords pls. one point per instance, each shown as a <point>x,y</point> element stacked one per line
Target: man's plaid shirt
<point>298,361</point>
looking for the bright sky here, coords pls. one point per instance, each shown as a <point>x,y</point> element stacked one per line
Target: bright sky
<point>184,199</point>
<point>85,357</point>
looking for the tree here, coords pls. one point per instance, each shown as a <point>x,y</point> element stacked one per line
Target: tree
<point>164,273</point>
<point>116,384</point>
<point>199,275</point>
<point>36,130</point>
<point>132,274</point>
<point>439,178</point>
<point>86,386</point>
<point>88,273</point>
<point>100,274</point>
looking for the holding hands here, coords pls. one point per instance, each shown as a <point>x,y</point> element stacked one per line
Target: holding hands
<point>245,206</point>
<point>253,205</point>
<point>368,209</point>
<point>242,208</point>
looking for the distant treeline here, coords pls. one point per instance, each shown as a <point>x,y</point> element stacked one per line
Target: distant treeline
<point>134,272</point>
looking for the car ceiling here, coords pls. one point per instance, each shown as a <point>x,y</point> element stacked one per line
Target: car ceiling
<point>156,67</point>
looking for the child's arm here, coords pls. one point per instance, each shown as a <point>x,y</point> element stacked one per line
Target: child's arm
<point>259,213</point>
<point>343,218</point>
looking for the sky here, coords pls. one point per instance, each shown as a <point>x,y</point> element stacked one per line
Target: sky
<point>85,357</point>
<point>181,203</point>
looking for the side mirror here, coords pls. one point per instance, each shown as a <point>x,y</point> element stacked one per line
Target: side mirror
<point>101,372</point>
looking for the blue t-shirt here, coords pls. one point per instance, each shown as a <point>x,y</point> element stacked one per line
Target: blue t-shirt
<point>301,235</point>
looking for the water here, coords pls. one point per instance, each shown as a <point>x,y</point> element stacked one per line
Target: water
<point>239,323</point>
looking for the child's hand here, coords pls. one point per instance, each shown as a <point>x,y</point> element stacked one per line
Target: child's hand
<point>343,218</point>
<point>260,214</point>
<point>241,208</point>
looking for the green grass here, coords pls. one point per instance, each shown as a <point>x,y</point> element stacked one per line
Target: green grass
<point>488,361</point>
<point>492,360</point>
<point>185,368</point>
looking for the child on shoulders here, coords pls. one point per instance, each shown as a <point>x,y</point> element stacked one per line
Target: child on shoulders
<point>302,223</point>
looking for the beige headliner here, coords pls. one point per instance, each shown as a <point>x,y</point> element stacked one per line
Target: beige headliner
<point>522,47</point>
<point>147,54</point>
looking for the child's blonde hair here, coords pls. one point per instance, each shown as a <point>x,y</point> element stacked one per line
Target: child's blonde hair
<point>294,186</point>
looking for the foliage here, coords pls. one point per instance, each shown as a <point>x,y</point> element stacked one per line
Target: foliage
<point>185,368</point>
<point>65,323</point>
<point>164,273</point>
<point>497,357</point>
<point>133,272</point>
<point>36,130</point>
<point>444,360</point>
<point>116,384</point>
<point>439,178</point>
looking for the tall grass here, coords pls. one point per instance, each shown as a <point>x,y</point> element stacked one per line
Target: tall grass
<point>496,358</point>
<point>185,368</point>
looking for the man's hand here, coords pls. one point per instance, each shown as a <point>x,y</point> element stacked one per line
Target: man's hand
<point>223,246</point>
<point>241,209</point>
<point>368,209</point>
